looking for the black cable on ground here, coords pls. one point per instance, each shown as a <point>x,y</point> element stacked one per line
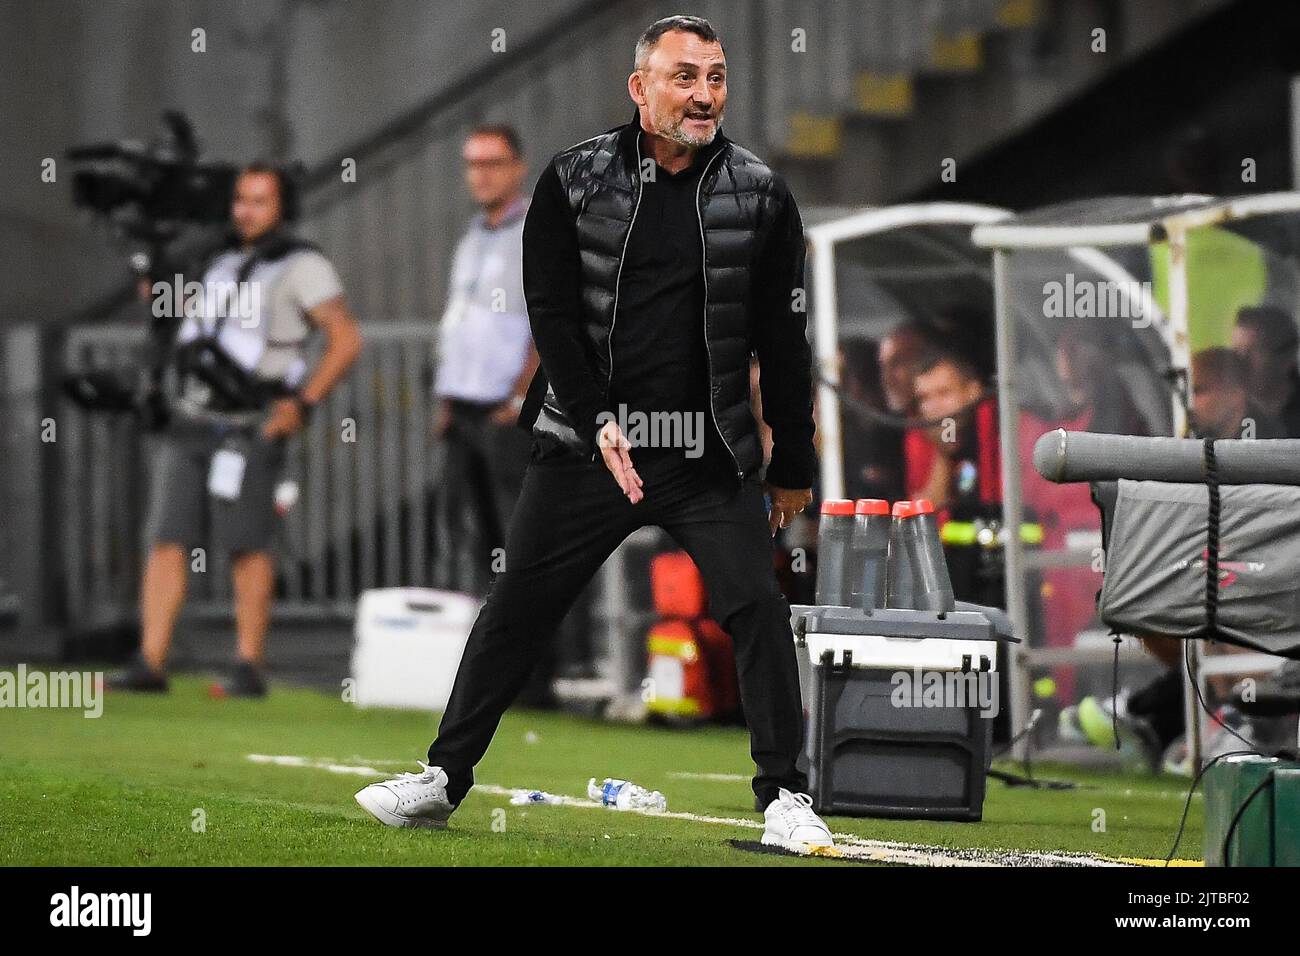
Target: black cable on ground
<point>1033,783</point>
<point>1028,780</point>
<point>1182,823</point>
<point>1205,706</point>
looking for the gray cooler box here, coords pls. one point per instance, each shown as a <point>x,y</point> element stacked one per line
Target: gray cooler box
<point>875,744</point>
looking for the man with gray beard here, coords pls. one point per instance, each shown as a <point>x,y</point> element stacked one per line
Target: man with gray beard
<point>658,256</point>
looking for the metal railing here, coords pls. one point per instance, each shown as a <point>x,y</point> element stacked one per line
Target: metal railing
<point>367,467</point>
<point>363,466</point>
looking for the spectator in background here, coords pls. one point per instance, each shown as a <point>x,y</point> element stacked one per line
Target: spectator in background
<point>1221,408</point>
<point>1221,398</point>
<point>1265,336</point>
<point>1095,398</point>
<point>873,452</point>
<point>968,331</point>
<point>953,460</point>
<point>898,354</point>
<point>486,356</point>
<point>1151,717</point>
<point>1092,398</point>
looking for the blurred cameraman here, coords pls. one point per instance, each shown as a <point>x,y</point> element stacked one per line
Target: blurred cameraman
<point>243,388</point>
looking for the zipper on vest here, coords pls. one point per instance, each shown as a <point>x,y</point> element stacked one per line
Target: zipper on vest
<point>609,377</point>
<point>704,263</point>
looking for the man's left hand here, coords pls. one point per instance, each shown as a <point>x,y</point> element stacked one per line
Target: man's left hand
<point>786,503</point>
<point>285,419</point>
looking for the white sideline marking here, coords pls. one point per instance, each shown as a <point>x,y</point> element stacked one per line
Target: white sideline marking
<point>849,844</point>
<point>288,760</point>
<point>715,777</point>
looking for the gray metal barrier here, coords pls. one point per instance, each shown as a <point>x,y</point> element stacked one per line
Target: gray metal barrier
<point>364,468</point>
<point>368,472</point>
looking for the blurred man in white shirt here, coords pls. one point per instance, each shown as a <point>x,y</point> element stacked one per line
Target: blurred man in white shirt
<point>486,356</point>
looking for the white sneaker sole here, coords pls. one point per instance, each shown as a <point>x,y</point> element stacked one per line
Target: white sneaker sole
<point>388,818</point>
<point>796,846</point>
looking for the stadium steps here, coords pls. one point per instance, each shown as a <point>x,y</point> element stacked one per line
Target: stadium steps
<point>1123,132</point>
<point>950,81</point>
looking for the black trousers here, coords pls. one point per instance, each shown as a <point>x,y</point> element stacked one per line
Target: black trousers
<point>484,468</point>
<point>571,515</point>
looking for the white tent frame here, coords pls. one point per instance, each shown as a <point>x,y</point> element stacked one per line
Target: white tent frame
<point>1006,237</point>
<point>822,239</point>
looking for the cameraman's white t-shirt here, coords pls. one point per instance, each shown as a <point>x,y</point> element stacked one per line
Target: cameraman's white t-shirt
<point>265,327</point>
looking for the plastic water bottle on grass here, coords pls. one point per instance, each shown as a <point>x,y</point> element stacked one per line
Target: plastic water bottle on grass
<point>625,795</point>
<point>526,797</point>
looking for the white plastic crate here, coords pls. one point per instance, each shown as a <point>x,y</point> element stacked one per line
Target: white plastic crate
<point>901,653</point>
<point>409,642</point>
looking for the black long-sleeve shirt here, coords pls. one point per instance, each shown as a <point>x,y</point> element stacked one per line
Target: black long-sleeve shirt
<point>660,362</point>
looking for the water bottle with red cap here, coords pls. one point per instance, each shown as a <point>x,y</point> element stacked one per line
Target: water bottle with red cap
<point>869,554</point>
<point>834,534</point>
<point>918,571</point>
<point>899,576</point>
<point>933,585</point>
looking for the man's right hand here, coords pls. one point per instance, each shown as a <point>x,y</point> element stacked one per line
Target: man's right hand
<point>614,448</point>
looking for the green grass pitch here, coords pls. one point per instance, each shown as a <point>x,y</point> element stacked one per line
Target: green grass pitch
<point>168,781</point>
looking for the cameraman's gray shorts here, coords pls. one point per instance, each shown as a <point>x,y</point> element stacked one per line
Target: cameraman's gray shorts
<point>184,512</point>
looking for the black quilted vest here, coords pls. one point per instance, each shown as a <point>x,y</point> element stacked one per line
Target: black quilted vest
<point>735,201</point>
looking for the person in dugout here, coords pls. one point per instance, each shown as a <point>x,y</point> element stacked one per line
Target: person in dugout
<point>1091,397</point>
<point>952,459</point>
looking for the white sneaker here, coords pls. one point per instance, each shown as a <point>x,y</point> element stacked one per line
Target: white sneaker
<point>409,799</point>
<point>791,823</point>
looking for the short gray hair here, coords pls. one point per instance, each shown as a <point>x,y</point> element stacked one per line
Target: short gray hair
<point>697,25</point>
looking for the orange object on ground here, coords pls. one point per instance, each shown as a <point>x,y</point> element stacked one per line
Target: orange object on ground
<point>692,663</point>
<point>676,586</point>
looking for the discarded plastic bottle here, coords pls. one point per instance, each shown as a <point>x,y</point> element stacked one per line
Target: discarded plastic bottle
<point>869,554</point>
<point>834,534</point>
<point>525,797</point>
<point>625,795</point>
